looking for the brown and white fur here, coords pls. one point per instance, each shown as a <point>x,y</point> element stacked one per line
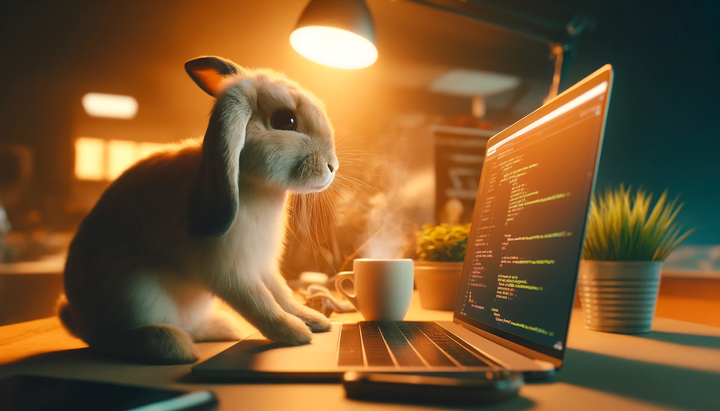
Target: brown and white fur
<point>204,220</point>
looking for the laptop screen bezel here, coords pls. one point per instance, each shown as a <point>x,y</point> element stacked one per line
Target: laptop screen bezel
<point>507,339</point>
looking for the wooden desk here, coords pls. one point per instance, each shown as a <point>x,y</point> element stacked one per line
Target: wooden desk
<point>677,366</point>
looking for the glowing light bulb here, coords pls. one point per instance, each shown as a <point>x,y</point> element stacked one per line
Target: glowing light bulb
<point>334,47</point>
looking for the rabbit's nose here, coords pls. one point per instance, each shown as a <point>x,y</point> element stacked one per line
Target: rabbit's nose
<point>331,167</point>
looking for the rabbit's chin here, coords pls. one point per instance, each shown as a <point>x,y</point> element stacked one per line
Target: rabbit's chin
<point>312,188</point>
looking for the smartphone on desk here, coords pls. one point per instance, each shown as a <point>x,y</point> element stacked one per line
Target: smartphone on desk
<point>434,388</point>
<point>34,393</point>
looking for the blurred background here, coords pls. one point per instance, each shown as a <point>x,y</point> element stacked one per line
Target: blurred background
<point>394,119</point>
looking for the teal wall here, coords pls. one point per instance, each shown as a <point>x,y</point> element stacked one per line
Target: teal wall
<point>663,128</point>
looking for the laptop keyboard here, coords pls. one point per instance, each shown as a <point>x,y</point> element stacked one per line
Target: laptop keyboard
<point>405,344</point>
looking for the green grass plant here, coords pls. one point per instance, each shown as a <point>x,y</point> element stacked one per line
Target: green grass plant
<point>621,226</point>
<point>444,242</point>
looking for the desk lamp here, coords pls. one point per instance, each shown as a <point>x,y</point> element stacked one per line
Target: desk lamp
<point>340,33</point>
<point>336,33</point>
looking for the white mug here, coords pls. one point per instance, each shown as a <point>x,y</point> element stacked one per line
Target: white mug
<point>383,287</point>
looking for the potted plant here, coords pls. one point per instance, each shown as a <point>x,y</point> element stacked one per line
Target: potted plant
<point>625,245</point>
<point>440,254</point>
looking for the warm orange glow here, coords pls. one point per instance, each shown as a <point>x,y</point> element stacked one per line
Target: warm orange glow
<point>109,105</point>
<point>334,47</point>
<point>121,155</point>
<point>90,158</point>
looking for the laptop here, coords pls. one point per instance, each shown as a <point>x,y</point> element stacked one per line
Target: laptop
<point>519,275</point>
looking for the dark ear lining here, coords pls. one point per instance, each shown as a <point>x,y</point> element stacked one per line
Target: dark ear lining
<point>209,72</point>
<point>214,199</point>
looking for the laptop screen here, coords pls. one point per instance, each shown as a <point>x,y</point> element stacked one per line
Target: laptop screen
<point>529,221</point>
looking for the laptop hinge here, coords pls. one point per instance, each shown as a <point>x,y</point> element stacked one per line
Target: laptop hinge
<point>541,359</point>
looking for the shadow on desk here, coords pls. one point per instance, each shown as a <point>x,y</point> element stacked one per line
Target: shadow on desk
<point>690,340</point>
<point>83,363</point>
<point>77,362</point>
<point>65,358</point>
<point>653,383</point>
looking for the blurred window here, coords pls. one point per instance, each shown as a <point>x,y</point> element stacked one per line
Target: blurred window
<point>98,159</point>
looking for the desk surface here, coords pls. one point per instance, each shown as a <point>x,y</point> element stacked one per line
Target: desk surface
<point>677,366</point>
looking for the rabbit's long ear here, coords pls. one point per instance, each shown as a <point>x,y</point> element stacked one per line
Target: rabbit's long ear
<point>213,201</point>
<point>209,72</point>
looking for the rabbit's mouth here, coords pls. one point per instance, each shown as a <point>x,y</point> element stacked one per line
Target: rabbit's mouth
<point>324,185</point>
<point>313,188</point>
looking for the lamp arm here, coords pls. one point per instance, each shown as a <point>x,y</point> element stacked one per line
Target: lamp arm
<point>561,38</point>
<point>537,29</point>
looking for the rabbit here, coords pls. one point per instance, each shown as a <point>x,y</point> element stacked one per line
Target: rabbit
<point>203,220</point>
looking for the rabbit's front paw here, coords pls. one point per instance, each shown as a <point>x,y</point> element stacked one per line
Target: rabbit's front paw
<point>317,322</point>
<point>219,326</point>
<point>287,329</point>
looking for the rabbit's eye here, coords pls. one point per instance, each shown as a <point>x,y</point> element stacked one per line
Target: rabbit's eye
<point>283,120</point>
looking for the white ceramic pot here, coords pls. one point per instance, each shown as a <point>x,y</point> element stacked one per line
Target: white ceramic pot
<point>438,284</point>
<point>619,296</point>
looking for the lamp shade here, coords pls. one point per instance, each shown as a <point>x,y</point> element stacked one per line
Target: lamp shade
<point>336,33</point>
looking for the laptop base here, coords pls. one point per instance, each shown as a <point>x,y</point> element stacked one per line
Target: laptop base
<point>257,358</point>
